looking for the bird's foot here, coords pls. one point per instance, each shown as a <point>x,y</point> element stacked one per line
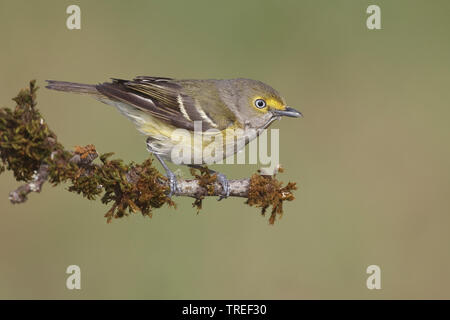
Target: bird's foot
<point>223,181</point>
<point>173,185</point>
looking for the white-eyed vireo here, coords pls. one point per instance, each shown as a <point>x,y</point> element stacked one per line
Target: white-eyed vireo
<point>159,106</point>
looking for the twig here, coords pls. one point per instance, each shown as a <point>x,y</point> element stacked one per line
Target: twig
<point>187,187</point>
<point>20,194</point>
<point>192,188</point>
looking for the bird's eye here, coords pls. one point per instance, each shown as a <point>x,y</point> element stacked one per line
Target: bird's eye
<point>260,103</point>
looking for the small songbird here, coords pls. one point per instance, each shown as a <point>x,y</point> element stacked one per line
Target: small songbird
<point>159,106</point>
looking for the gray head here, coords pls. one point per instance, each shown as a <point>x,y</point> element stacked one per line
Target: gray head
<point>254,102</point>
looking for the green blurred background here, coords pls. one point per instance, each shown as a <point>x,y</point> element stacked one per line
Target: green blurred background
<point>371,156</point>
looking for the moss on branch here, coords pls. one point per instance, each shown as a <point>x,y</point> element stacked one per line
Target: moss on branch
<point>30,149</point>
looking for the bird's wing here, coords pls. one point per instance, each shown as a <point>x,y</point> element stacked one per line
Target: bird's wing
<point>163,98</point>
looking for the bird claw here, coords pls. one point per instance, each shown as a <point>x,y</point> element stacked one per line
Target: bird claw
<point>174,189</point>
<point>223,181</point>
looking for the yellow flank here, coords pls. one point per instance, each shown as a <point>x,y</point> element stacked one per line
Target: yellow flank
<point>156,128</point>
<point>229,141</point>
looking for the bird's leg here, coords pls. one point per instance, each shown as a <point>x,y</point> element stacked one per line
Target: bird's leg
<point>170,175</point>
<point>221,179</point>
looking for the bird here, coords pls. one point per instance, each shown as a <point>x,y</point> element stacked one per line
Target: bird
<point>161,106</point>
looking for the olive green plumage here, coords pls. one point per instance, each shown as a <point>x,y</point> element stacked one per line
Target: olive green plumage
<point>159,106</point>
<point>216,103</point>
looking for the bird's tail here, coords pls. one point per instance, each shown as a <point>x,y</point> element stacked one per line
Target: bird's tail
<point>72,87</point>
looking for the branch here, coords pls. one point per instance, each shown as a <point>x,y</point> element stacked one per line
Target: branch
<point>35,185</point>
<point>32,152</point>
<point>192,188</point>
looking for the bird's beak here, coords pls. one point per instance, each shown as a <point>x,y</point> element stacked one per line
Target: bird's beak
<point>288,112</point>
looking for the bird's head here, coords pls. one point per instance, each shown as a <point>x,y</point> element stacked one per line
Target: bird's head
<point>259,104</point>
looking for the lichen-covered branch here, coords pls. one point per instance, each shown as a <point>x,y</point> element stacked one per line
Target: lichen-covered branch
<point>32,152</point>
<point>35,185</point>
